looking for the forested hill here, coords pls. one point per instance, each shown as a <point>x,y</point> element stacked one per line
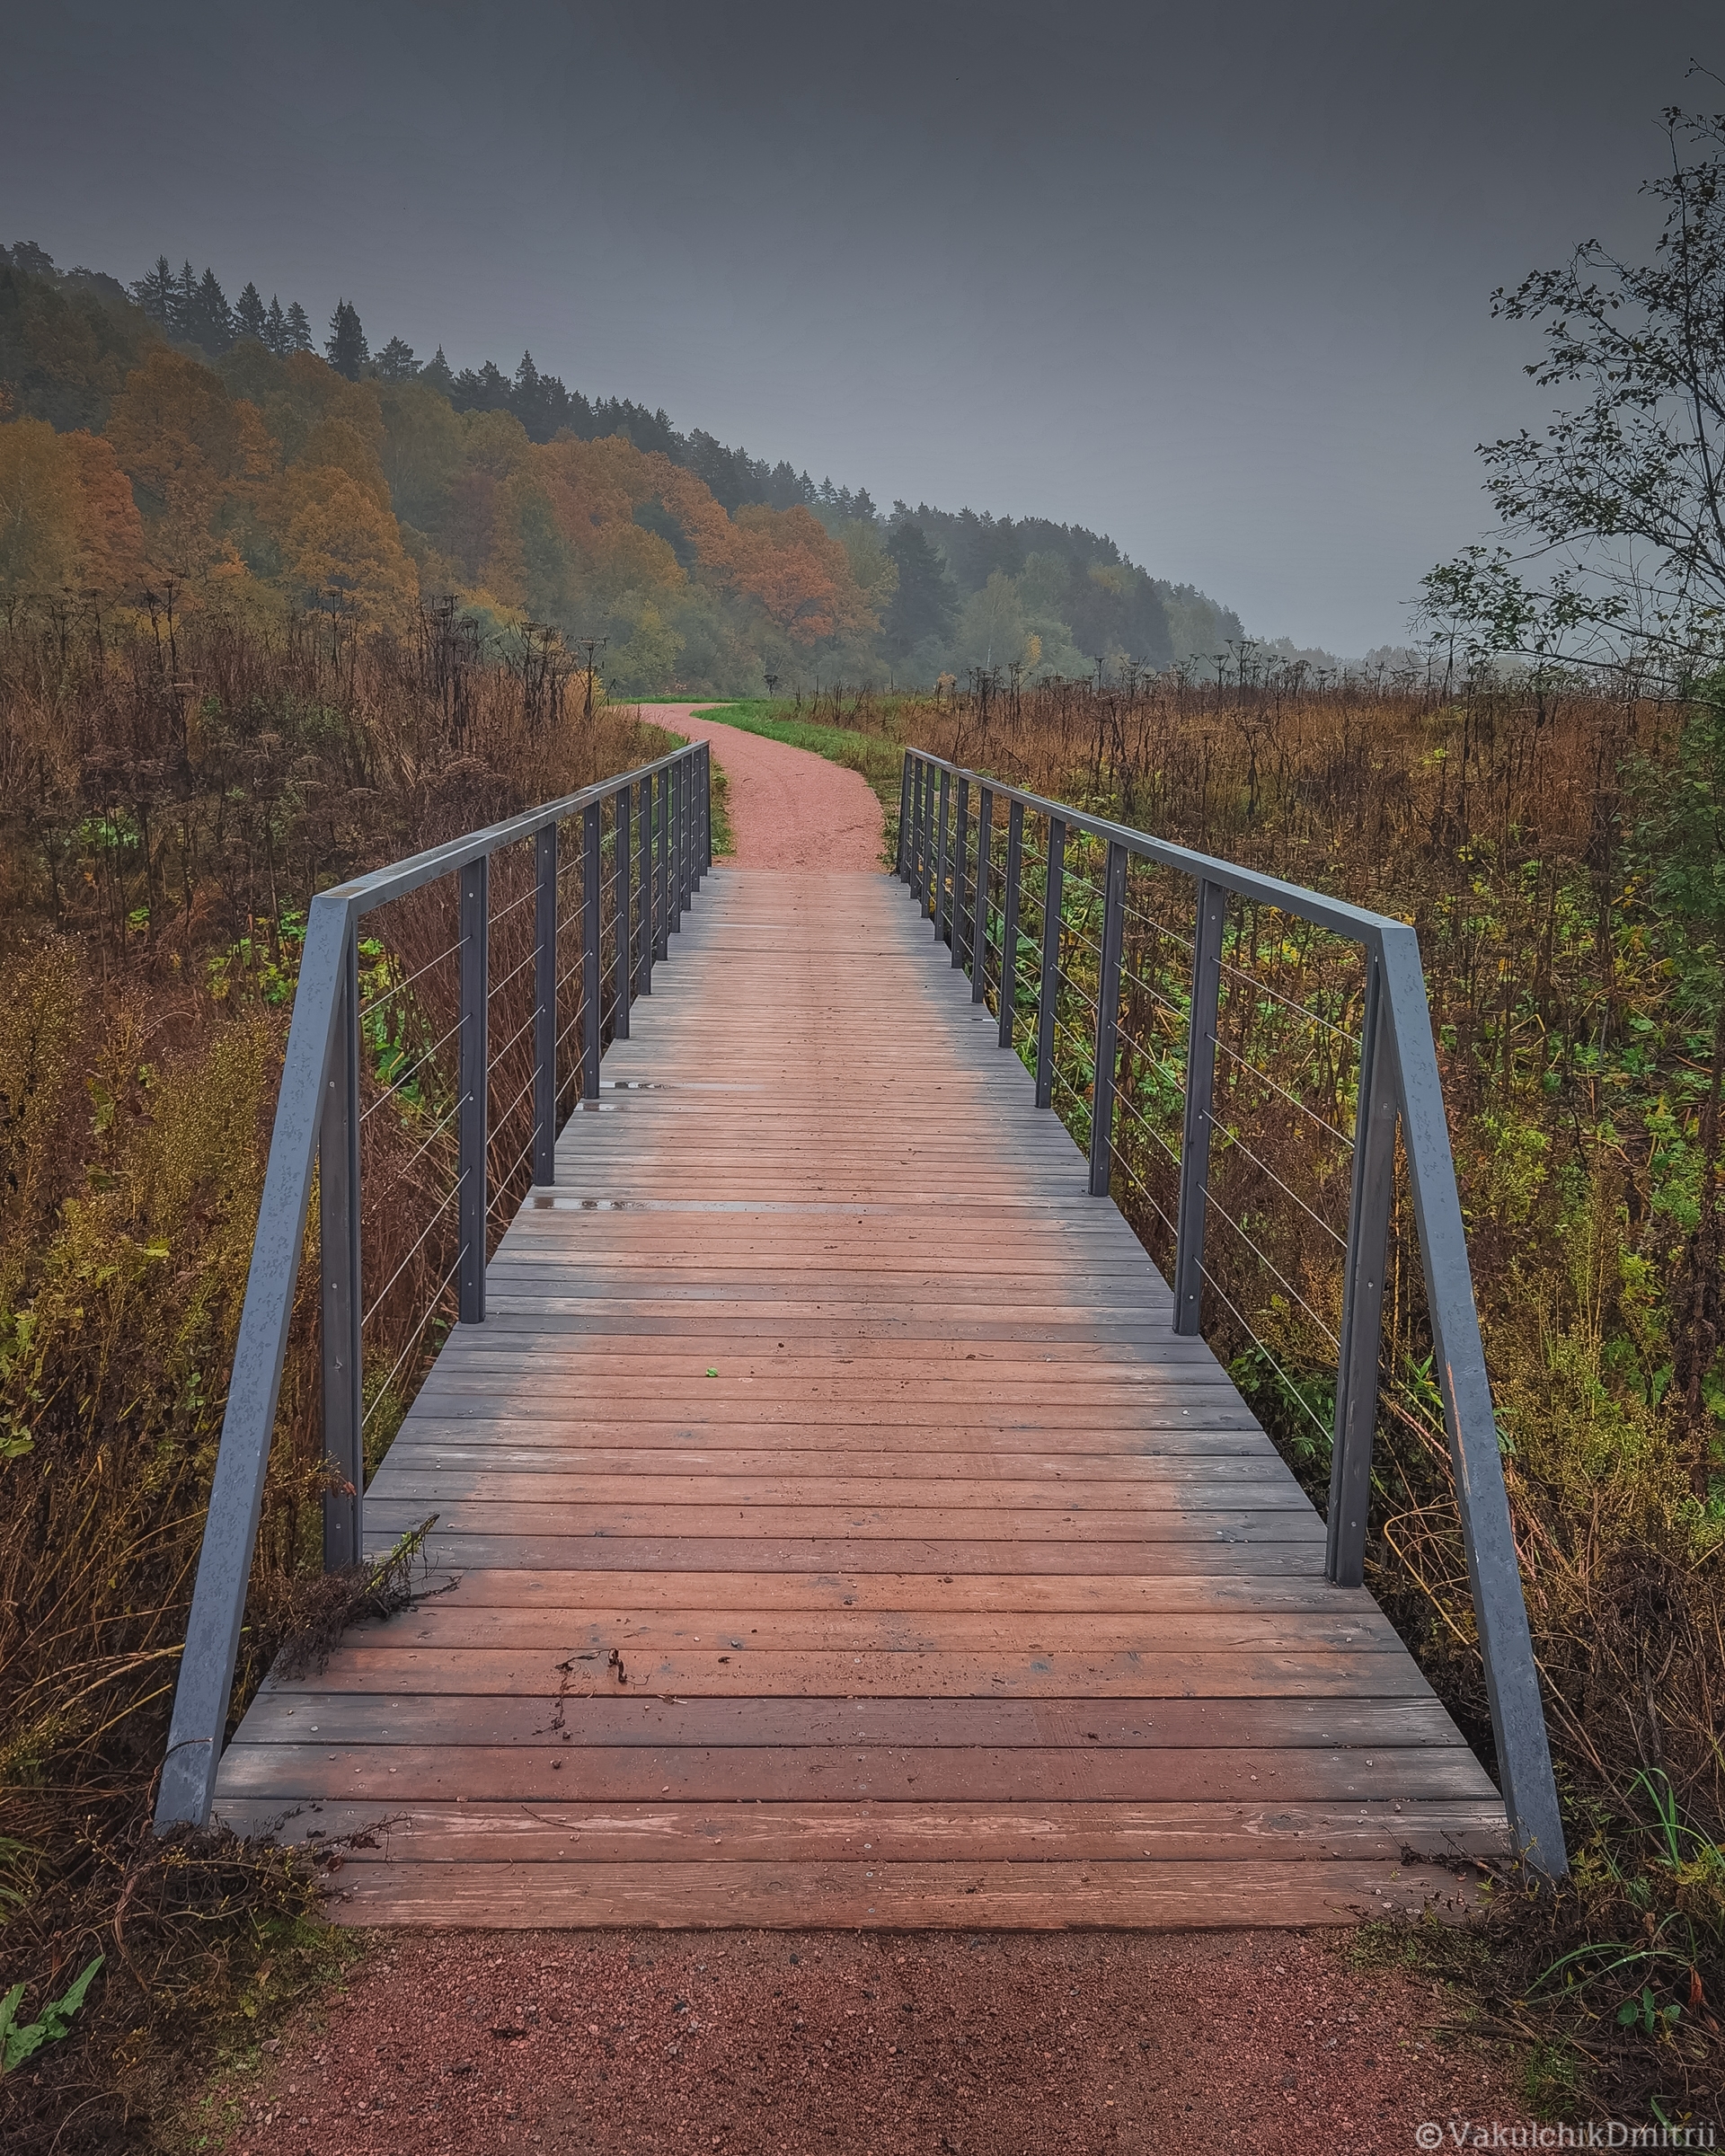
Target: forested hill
<point>159,430</point>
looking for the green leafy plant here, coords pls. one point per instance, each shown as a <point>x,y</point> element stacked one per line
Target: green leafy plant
<point>20,2041</point>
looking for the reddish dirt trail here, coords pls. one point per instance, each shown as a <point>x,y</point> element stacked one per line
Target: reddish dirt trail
<point>788,809</point>
<point>834,2044</point>
<point>785,2043</point>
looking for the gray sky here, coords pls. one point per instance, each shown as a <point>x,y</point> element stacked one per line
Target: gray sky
<point>1215,280</point>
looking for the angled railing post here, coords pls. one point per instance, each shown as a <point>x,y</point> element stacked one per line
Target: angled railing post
<point>960,864</point>
<point>591,927</point>
<point>623,938</point>
<point>1200,1096</point>
<point>706,807</point>
<point>472,1124</point>
<point>206,1681</point>
<point>1362,1293</point>
<point>544,1007</point>
<point>980,927</point>
<point>338,1222</point>
<point>901,849</point>
<point>1009,922</point>
<point>1053,898</point>
<point>674,847</point>
<point>939,855</point>
<point>1458,1361</point>
<point>1108,1023</point>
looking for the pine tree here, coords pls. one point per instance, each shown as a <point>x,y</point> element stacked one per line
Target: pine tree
<point>927,601</point>
<point>155,293</point>
<point>395,361</point>
<point>249,317</point>
<point>436,372</point>
<point>275,329</point>
<point>346,348</point>
<point>212,319</point>
<point>299,329</point>
<point>183,313</point>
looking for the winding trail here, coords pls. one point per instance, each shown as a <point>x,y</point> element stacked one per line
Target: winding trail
<point>843,2043</point>
<point>788,809</point>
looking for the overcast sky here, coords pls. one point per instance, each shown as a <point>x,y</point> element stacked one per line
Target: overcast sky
<point>1213,279</point>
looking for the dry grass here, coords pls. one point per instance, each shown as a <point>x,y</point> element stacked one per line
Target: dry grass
<point>164,817</point>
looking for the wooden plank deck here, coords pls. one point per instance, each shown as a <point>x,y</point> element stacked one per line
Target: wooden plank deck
<point>842,1535</point>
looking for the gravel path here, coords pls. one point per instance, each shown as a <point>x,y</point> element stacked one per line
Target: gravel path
<point>788,809</point>
<point>779,2043</point>
<point>834,2044</point>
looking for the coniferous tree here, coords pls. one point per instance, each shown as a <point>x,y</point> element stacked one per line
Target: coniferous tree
<point>212,319</point>
<point>345,347</point>
<point>155,293</point>
<point>276,336</point>
<point>249,316</point>
<point>183,313</point>
<point>299,329</point>
<point>395,361</point>
<point>926,602</point>
<point>436,372</point>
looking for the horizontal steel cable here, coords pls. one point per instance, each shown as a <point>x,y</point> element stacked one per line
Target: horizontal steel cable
<point>1292,1390</point>
<point>378,1300</point>
<point>1268,1263</point>
<point>1293,1099</point>
<point>415,1060</point>
<point>384,1390</point>
<point>377,1002</point>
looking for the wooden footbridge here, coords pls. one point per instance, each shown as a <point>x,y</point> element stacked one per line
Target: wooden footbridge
<point>834,1523</point>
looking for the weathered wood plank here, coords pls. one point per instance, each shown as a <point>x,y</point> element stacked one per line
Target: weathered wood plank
<point>950,1586</point>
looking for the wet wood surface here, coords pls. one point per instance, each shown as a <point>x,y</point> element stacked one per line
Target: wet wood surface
<point>831,1529</point>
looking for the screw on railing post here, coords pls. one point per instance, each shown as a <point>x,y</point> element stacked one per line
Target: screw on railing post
<point>623,934</point>
<point>1053,894</point>
<point>338,1220</point>
<point>1362,1295</point>
<point>474,1115</point>
<point>1009,922</point>
<point>938,910</point>
<point>980,928</point>
<point>1107,1021</point>
<point>1200,1094</point>
<point>544,1007</point>
<point>590,925</point>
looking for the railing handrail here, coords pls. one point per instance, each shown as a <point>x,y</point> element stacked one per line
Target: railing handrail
<point>317,1123</point>
<point>1399,1082</point>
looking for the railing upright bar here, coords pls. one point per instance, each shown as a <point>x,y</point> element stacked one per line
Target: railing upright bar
<point>961,865</point>
<point>902,846</point>
<point>1458,1363</point>
<point>1200,1094</point>
<point>206,1682</point>
<point>622,952</point>
<point>590,977</point>
<point>472,1122</point>
<point>979,928</point>
<point>338,1220</point>
<point>940,856</point>
<point>1362,1294</point>
<point>706,803</point>
<point>1053,898</point>
<point>1108,1023</point>
<point>1009,922</point>
<point>643,948</point>
<point>544,1007</point>
<point>662,838</point>
<point>924,833</point>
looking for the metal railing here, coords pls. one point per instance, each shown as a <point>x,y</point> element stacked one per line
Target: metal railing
<point>651,829</point>
<point>1145,1097</point>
